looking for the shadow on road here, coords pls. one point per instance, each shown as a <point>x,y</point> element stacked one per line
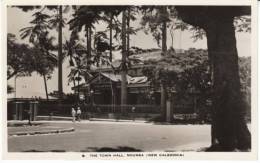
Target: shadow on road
<point>55,150</point>
<point>108,149</point>
<point>95,149</point>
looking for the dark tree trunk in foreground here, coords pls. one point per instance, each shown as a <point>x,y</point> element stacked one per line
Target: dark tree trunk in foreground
<point>124,68</point>
<point>229,126</point>
<point>60,88</point>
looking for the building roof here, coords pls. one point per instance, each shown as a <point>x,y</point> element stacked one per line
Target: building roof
<point>135,80</point>
<point>130,80</point>
<point>115,77</point>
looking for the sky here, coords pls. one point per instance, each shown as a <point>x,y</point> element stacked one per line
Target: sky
<point>34,85</point>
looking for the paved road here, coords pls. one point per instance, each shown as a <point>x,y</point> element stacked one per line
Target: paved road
<point>109,136</point>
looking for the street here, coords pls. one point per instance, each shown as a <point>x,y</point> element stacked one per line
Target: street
<point>114,136</point>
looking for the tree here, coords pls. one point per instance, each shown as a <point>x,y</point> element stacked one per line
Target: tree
<point>157,23</point>
<point>229,129</point>
<point>124,56</point>
<point>110,16</point>
<point>60,58</point>
<point>44,65</point>
<point>85,16</point>
<point>38,36</point>
<point>18,58</point>
<point>56,21</point>
<point>78,60</point>
<point>176,70</point>
<point>22,60</point>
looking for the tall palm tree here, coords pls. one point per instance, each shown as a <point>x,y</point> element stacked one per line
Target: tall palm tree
<point>110,15</point>
<point>77,58</point>
<point>57,21</point>
<point>85,16</point>
<point>60,87</point>
<point>124,56</point>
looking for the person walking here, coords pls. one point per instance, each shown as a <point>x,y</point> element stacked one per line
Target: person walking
<point>73,114</point>
<point>78,113</point>
<point>133,113</point>
<point>29,112</point>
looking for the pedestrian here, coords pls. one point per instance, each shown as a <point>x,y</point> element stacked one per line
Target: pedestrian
<point>29,112</point>
<point>133,113</point>
<point>73,113</point>
<point>78,113</point>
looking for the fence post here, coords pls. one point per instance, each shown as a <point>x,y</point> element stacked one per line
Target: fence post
<point>33,110</point>
<point>169,111</point>
<point>18,110</point>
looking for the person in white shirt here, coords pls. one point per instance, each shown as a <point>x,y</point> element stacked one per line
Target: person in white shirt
<point>73,113</point>
<point>78,113</point>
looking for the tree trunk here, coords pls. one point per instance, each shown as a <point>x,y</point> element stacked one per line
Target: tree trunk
<point>74,84</point>
<point>229,125</point>
<point>164,34</point>
<point>172,34</point>
<point>78,90</point>
<point>110,37</point>
<point>124,68</point>
<point>45,85</point>
<point>11,75</point>
<point>89,47</point>
<point>163,102</point>
<point>60,86</point>
<point>164,50</point>
<point>128,30</point>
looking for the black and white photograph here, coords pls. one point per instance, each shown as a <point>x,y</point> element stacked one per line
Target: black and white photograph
<point>130,81</point>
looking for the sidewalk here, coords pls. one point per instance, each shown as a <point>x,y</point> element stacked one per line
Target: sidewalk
<point>21,128</point>
<point>91,121</point>
<point>60,118</point>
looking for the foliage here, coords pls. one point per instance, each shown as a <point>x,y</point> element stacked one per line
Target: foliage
<point>10,89</point>
<point>152,21</point>
<point>77,55</point>
<point>22,60</point>
<point>42,62</point>
<point>84,16</point>
<point>38,29</point>
<point>18,58</point>
<point>177,69</point>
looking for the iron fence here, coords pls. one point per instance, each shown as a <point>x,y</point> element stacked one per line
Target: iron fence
<point>101,111</point>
